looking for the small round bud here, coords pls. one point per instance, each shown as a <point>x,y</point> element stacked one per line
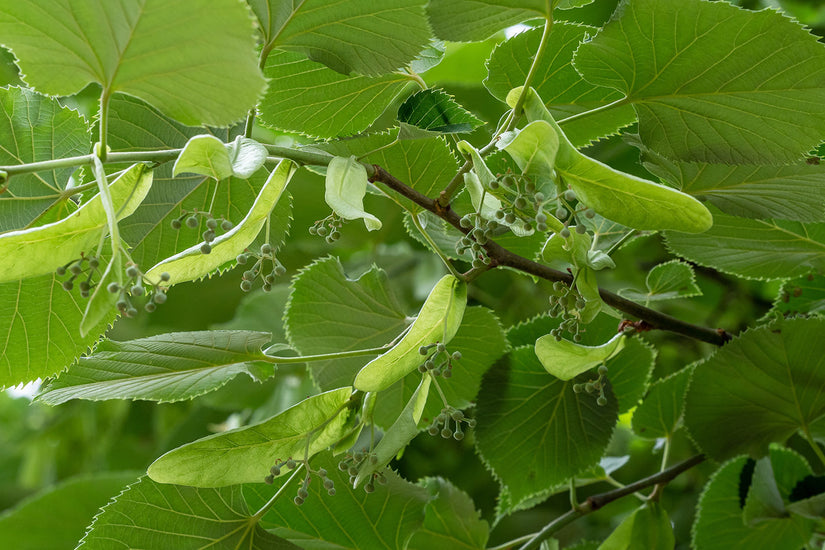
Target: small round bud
<point>94,263</point>
<point>150,307</point>
<point>165,276</point>
<point>494,184</point>
<point>206,248</point>
<point>84,286</point>
<point>132,271</point>
<point>131,312</point>
<point>471,423</point>
<point>75,269</point>
<point>246,286</point>
<point>602,370</point>
<point>136,290</point>
<point>520,203</point>
<point>565,233</point>
<point>226,225</point>
<point>159,297</point>
<point>322,231</point>
<point>541,227</point>
<point>279,270</point>
<point>456,356</point>
<point>508,181</point>
<point>209,235</point>
<point>291,464</point>
<point>590,213</point>
<point>122,305</point>
<point>60,271</point>
<point>569,195</point>
<point>192,222</point>
<point>313,230</point>
<point>275,470</point>
<point>331,492</point>
<point>303,493</point>
<point>266,249</point>
<point>68,285</point>
<point>580,229</point>
<point>530,187</point>
<point>561,213</point>
<point>342,466</point>
<point>446,433</point>
<point>465,222</point>
<point>499,214</point>
<point>241,259</point>
<point>113,287</point>
<point>212,223</point>
<point>458,435</point>
<point>176,224</point>
<point>328,484</point>
<point>577,338</point>
<point>577,388</point>
<point>509,217</point>
<point>539,197</point>
<point>440,347</point>
<point>432,430</point>
<point>369,487</point>
<point>269,480</point>
<point>298,501</point>
<point>601,401</point>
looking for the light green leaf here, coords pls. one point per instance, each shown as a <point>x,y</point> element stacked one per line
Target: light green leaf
<point>192,264</point>
<point>565,359</point>
<point>802,295</point>
<point>426,165</point>
<point>213,77</point>
<point>330,313</point>
<point>534,148</point>
<point>719,523</point>
<point>37,251</point>
<point>760,388</point>
<point>794,192</point>
<point>562,88</point>
<point>533,430</point>
<point>673,279</point>
<point>186,518</point>
<point>474,20</point>
<point>435,111</point>
<point>438,321</point>
<point>164,368</point>
<point>480,341</point>
<point>310,98</point>
<point>34,128</point>
<point>347,36</point>
<point>588,288</point>
<point>621,197</point>
<point>71,505</point>
<point>763,502</point>
<point>244,455</point>
<point>758,99</point>
<point>27,354</point>
<point>430,56</point>
<point>450,521</point>
<point>101,301</point>
<point>647,527</point>
<point>397,437</point>
<point>207,155</point>
<point>345,187</point>
<point>660,414</point>
<point>352,519</point>
<point>755,249</point>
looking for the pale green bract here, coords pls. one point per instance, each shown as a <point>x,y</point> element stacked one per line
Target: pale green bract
<point>41,250</point>
<point>566,360</point>
<point>208,156</point>
<point>621,197</point>
<point>212,78</point>
<point>244,455</point>
<point>192,264</point>
<point>648,527</point>
<point>534,148</point>
<point>344,190</point>
<point>438,321</point>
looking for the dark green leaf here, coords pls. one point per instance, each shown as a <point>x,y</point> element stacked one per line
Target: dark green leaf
<point>435,111</point>
<point>474,20</point>
<point>660,413</point>
<point>450,521</point>
<point>666,281</point>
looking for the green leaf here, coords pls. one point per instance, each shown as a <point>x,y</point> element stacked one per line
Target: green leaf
<point>533,430</point>
<point>347,36</point>
<point>438,321</point>
<point>719,523</point>
<point>562,88</point>
<point>760,388</point>
<point>310,98</point>
<point>192,263</point>
<point>566,360</point>
<point>330,313</point>
<point>758,98</point>
<point>351,519</point>
<point>647,527</point>
<point>164,368</point>
<point>534,148</point>
<point>345,187</point>
<point>244,455</point>
<point>660,413</point>
<point>450,520</point>
<point>754,249</point>
<point>101,301</point>
<point>37,251</point>
<point>426,165</point>
<point>71,505</point>
<point>621,197</point>
<point>480,341</point>
<point>802,295</point>
<point>172,516</point>
<point>764,502</point>
<point>35,128</point>
<point>435,111</point>
<point>27,354</point>
<point>793,192</point>
<point>207,155</point>
<point>213,77</point>
<point>474,20</point>
<point>673,279</point>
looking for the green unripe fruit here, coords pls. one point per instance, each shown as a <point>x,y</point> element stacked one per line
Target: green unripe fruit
<point>539,197</point>
<point>508,181</point>
<point>342,466</point>
<point>60,271</point>
<point>458,435</point>
<point>520,203</point>
<point>136,290</point>
<point>541,217</point>
<point>589,213</point>
<point>131,312</point>
<point>601,401</point>
<point>266,249</point>
<point>509,217</point>
<point>313,230</point>
<point>602,370</point>
<point>369,487</point>
<point>561,213</point>
<point>176,224</point>
<point>226,225</point>
<point>68,285</point>
<point>494,184</point>
<point>246,286</point>
<point>122,304</point>
<point>75,269</point>
<point>291,464</point>
<point>132,271</point>
<point>577,388</point>
<point>335,235</point>
<point>565,233</point>
<point>209,235</point>
<point>279,270</point>
<point>322,231</point>
<point>580,229</point>
<point>275,471</point>
<point>499,214</point>
<point>303,493</point>
<point>267,287</point>
<point>113,287</point>
<point>84,286</point>
<point>150,307</point>
<point>192,222</point>
<point>465,222</point>
<point>159,298</point>
<point>541,227</point>
<point>433,430</point>
<point>331,492</point>
<point>206,248</point>
<point>328,484</point>
<point>446,433</point>
<point>94,263</point>
<point>456,355</point>
<point>298,501</point>
<point>569,195</point>
<point>241,259</point>
<point>165,276</point>
<point>530,187</point>
<point>212,223</point>
<point>577,338</point>
<point>269,480</point>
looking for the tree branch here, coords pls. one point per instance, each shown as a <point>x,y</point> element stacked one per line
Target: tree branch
<point>502,256</point>
<point>603,499</point>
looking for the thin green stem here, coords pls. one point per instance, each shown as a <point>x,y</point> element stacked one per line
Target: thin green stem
<point>250,117</point>
<point>657,490</point>
<point>440,391</point>
<point>531,73</point>
<point>325,356</point>
<point>574,503</point>
<point>434,246</point>
<point>814,445</point>
<point>298,155</point>
<point>512,543</point>
<point>265,508</point>
<point>104,124</point>
<point>583,114</point>
<point>159,156</point>
<point>621,241</point>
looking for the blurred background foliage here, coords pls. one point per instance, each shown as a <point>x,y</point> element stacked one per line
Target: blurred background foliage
<point>41,446</point>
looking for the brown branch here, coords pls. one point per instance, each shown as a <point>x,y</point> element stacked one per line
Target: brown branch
<point>602,499</point>
<point>503,257</point>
